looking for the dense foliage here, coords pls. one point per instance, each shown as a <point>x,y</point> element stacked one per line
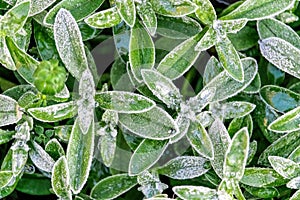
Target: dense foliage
<point>201,99</point>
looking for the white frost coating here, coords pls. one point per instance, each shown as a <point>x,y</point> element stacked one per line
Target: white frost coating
<point>5,57</point>
<point>37,6</point>
<point>9,111</point>
<point>282,54</point>
<point>69,43</point>
<point>65,94</point>
<point>41,158</point>
<point>195,192</point>
<point>285,167</point>
<point>294,183</point>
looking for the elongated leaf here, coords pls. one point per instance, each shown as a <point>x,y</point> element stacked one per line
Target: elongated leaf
<point>162,87</point>
<point>273,28</point>
<point>146,155</point>
<point>283,147</point>
<point>282,54</point>
<point>230,59</point>
<point>195,192</point>
<point>208,40</point>
<point>113,186</point>
<point>180,59</point>
<point>212,69</point>
<point>174,8</point>
<point>205,11</point>
<point>69,43</point>
<point>104,19</point>
<point>5,178</point>
<point>230,26</point>
<point>14,19</point>
<point>294,183</point>
<point>38,6</point>
<point>34,184</point>
<point>295,155</point>
<point>200,140</point>
<point>124,102</point>
<point>236,155</point>
<point>257,9</point>
<point>107,144</point>
<point>185,167</point>
<point>126,9</point>
<point>220,140</point>
<point>232,109</point>
<point>77,8</point>
<point>6,136</point>
<point>262,177</point>
<point>285,167</point>
<point>148,16</point>
<point>9,111</point>
<point>19,157</point>
<point>226,87</point>
<point>55,112</point>
<point>79,156</point>
<point>60,178</point>
<point>41,158</point>
<point>141,51</point>
<point>5,57</point>
<point>269,192</point>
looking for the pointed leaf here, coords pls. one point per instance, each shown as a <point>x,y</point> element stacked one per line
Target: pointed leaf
<point>285,167</point>
<point>146,155</point>
<point>195,192</point>
<point>212,69</point>
<point>126,9</point>
<point>38,6</point>
<point>208,40</point>
<point>232,109</point>
<point>148,16</point>
<point>205,11</point>
<point>69,43</point>
<point>113,186</point>
<point>231,26</point>
<point>294,183</point>
<point>172,8</point>
<point>9,111</point>
<point>54,149</point>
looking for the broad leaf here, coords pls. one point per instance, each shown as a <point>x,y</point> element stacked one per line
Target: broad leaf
<point>285,167</point>
<point>205,11</point>
<point>173,8</point>
<point>126,9</point>
<point>10,112</point>
<point>232,109</point>
<point>113,186</point>
<point>146,155</point>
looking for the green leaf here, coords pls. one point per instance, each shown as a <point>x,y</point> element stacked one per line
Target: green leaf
<point>254,86</point>
<point>262,177</point>
<point>162,87</point>
<point>126,9</point>
<point>104,19</point>
<point>6,136</point>
<point>54,149</point>
<point>236,155</point>
<point>146,155</point>
<point>283,147</point>
<point>183,124</point>
<point>124,102</point>
<point>212,69</point>
<point>113,186</point>
<point>69,43</point>
<point>107,145</point>
<point>226,87</point>
<point>230,59</point>
<point>38,6</point>
<point>19,158</point>
<point>282,54</point>
<point>295,155</point>
<point>148,16</point>
<point>141,51</point>
<point>232,109</point>
<point>240,122</point>
<point>5,178</point>
<point>185,167</point>
<point>180,59</point>
<point>264,193</point>
<point>79,156</point>
<point>294,183</point>
<point>177,28</point>
<point>208,40</point>
<point>230,26</point>
<point>77,8</point>
<point>14,19</point>
<point>10,112</point>
<point>195,192</point>
<point>205,11</point>
<point>205,118</point>
<point>279,98</point>
<point>273,28</point>
<point>173,8</point>
<point>286,123</point>
<point>244,39</point>
<point>257,9</point>
<point>296,195</point>
<point>220,140</point>
<point>285,167</point>
<point>34,184</point>
<point>5,57</point>
<point>119,77</point>
<point>54,113</point>
<point>200,140</point>
<point>60,179</point>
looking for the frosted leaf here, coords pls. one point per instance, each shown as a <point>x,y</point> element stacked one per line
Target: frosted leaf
<point>183,125</point>
<point>212,69</point>
<point>126,9</point>
<point>236,156</point>
<point>205,11</point>
<point>60,179</point>
<point>146,155</point>
<point>231,109</point>
<point>295,155</point>
<point>86,103</point>
<point>10,2</point>
<point>5,178</point>
<point>252,151</point>
<point>141,51</point>
<point>69,43</point>
<point>104,19</point>
<point>282,54</point>
<point>55,112</point>
<point>259,9</point>
<point>288,122</point>
<point>19,156</point>
<point>220,140</point>
<point>294,183</point>
<point>263,192</point>
<point>288,17</point>
<point>113,186</point>
<point>107,146</point>
<point>54,149</point>
<point>176,8</point>
<point>195,192</point>
<point>77,8</point>
<point>79,155</point>
<point>41,158</point>
<point>154,124</point>
<point>285,167</point>
<point>205,118</point>
<point>163,88</point>
<point>232,26</point>
<point>180,59</point>
<point>22,132</point>
<point>200,140</point>
<point>148,16</point>
<point>273,28</point>
<point>207,41</point>
<point>64,94</point>
<point>5,57</point>
<point>9,111</point>
<point>37,6</point>
<point>6,136</point>
<point>202,99</point>
<point>110,117</point>
<point>296,195</point>
<point>226,87</point>
<point>185,167</point>
<point>124,102</point>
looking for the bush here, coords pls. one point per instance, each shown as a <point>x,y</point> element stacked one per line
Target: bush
<point>154,99</point>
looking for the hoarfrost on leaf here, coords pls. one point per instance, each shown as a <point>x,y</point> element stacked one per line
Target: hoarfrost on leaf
<point>285,167</point>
